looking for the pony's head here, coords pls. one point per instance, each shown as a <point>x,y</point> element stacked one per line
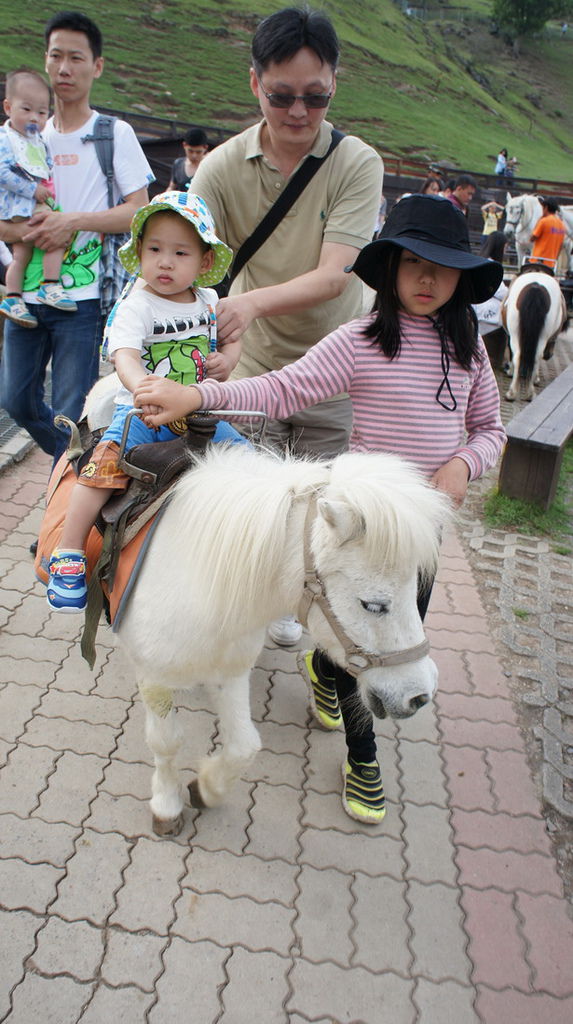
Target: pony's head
<point>375,541</point>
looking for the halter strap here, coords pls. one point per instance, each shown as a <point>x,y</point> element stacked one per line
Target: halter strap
<point>313,592</point>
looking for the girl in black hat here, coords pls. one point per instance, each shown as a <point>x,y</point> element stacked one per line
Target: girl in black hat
<point>421,386</point>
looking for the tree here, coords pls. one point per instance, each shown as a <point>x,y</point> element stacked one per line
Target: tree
<point>525,17</point>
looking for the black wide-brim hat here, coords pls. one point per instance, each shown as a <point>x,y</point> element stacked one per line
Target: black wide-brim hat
<point>432,228</point>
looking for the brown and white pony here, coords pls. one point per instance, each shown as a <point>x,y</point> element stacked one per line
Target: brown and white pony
<point>534,314</point>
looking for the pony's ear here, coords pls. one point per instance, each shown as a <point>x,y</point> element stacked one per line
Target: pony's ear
<point>508,197</point>
<point>344,520</point>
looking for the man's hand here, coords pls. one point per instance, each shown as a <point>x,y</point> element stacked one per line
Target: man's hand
<point>234,315</point>
<point>452,478</point>
<point>172,399</point>
<point>50,229</point>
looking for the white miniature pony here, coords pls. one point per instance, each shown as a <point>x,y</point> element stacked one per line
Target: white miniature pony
<point>521,216</point>
<point>248,537</point>
<point>533,314</point>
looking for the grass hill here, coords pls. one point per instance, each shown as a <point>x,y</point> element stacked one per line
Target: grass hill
<point>443,88</point>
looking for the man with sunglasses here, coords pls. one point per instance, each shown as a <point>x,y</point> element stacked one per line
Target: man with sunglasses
<point>293,290</point>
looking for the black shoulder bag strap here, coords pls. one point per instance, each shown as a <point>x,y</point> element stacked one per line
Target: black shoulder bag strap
<point>102,139</point>
<point>278,210</point>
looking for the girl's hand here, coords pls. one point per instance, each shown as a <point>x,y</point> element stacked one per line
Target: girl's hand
<point>452,478</point>
<point>172,400</point>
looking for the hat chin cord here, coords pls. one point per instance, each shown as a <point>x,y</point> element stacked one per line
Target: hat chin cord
<point>445,358</point>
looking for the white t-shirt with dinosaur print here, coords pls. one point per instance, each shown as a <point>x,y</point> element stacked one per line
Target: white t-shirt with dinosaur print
<point>174,338</point>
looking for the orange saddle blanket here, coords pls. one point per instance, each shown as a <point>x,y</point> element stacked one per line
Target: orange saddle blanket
<point>131,558</point>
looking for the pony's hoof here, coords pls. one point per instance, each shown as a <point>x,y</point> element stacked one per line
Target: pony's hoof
<point>195,797</point>
<point>167,826</point>
<point>509,396</point>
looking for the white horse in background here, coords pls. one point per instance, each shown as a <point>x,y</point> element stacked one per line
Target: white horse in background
<point>248,537</point>
<point>533,314</point>
<point>521,216</point>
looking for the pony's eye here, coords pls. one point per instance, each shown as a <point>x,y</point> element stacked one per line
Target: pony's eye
<point>376,607</point>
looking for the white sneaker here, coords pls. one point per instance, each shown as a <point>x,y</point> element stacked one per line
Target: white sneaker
<point>285,632</point>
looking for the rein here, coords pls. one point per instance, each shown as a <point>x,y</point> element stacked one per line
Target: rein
<point>357,660</point>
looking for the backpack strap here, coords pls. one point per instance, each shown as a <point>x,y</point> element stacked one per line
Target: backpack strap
<point>278,210</point>
<point>102,139</point>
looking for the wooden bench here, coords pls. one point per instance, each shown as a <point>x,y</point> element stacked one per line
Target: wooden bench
<point>536,438</point>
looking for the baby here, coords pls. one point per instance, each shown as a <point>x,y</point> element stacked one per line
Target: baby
<point>25,169</point>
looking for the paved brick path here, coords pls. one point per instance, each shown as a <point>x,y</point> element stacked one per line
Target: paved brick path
<point>276,908</point>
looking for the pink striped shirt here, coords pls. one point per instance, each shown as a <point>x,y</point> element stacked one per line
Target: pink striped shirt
<point>393,401</point>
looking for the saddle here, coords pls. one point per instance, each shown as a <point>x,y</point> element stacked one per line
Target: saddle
<point>155,469</point>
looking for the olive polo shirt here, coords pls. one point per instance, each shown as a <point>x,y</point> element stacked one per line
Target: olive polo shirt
<point>340,204</point>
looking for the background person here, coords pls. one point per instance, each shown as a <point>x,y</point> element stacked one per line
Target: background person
<point>70,340</point>
<point>195,147</point>
<point>462,193</point>
<point>548,234</point>
<point>293,289</point>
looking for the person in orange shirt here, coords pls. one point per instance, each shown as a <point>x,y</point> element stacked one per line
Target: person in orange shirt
<point>548,235</point>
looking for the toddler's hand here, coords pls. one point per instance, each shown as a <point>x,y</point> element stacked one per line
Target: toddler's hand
<point>218,366</point>
<point>42,194</point>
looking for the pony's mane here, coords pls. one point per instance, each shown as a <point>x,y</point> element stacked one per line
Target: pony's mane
<point>403,516</point>
<point>236,503</point>
<point>231,514</point>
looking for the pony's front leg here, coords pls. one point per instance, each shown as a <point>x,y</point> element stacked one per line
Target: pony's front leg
<point>163,736</point>
<point>240,742</point>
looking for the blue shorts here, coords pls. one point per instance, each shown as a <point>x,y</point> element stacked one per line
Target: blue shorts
<point>140,434</point>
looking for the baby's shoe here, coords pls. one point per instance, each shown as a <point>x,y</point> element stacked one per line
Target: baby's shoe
<point>67,588</point>
<point>53,294</point>
<point>15,309</point>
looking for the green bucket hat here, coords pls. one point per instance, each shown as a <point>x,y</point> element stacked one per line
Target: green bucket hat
<point>193,209</point>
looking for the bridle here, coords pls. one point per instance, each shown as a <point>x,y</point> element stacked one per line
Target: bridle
<point>513,223</point>
<point>357,660</point>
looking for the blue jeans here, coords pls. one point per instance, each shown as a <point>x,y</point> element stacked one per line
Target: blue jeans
<point>71,341</point>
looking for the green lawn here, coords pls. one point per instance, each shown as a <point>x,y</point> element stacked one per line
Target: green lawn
<point>441,89</point>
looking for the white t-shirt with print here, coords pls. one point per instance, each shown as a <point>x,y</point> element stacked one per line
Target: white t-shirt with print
<point>174,338</point>
<point>80,185</point>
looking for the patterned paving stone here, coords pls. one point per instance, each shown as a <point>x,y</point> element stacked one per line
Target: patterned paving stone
<point>129,957</point>
<point>492,924</point>
<point>36,841</point>
<point>220,871</point>
<point>258,926</point>
<point>17,705</point>
<point>61,800</point>
<point>17,942</point>
<point>421,770</point>
<point>274,825</point>
<point>527,1008</point>
<point>155,868</point>
<point>428,844</point>
<point>373,855</point>
<point>51,1000</point>
<point>549,932</point>
<point>124,1004</point>
<point>325,990</point>
<point>93,877</point>
<point>380,934</point>
<point>324,921</point>
<point>69,947</point>
<point>445,1003</point>
<point>264,977</point>
<point>185,993</point>
<point>24,777</point>
<point>28,886</point>
<point>442,956</point>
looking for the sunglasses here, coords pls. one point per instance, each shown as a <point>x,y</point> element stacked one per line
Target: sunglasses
<point>285,100</point>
